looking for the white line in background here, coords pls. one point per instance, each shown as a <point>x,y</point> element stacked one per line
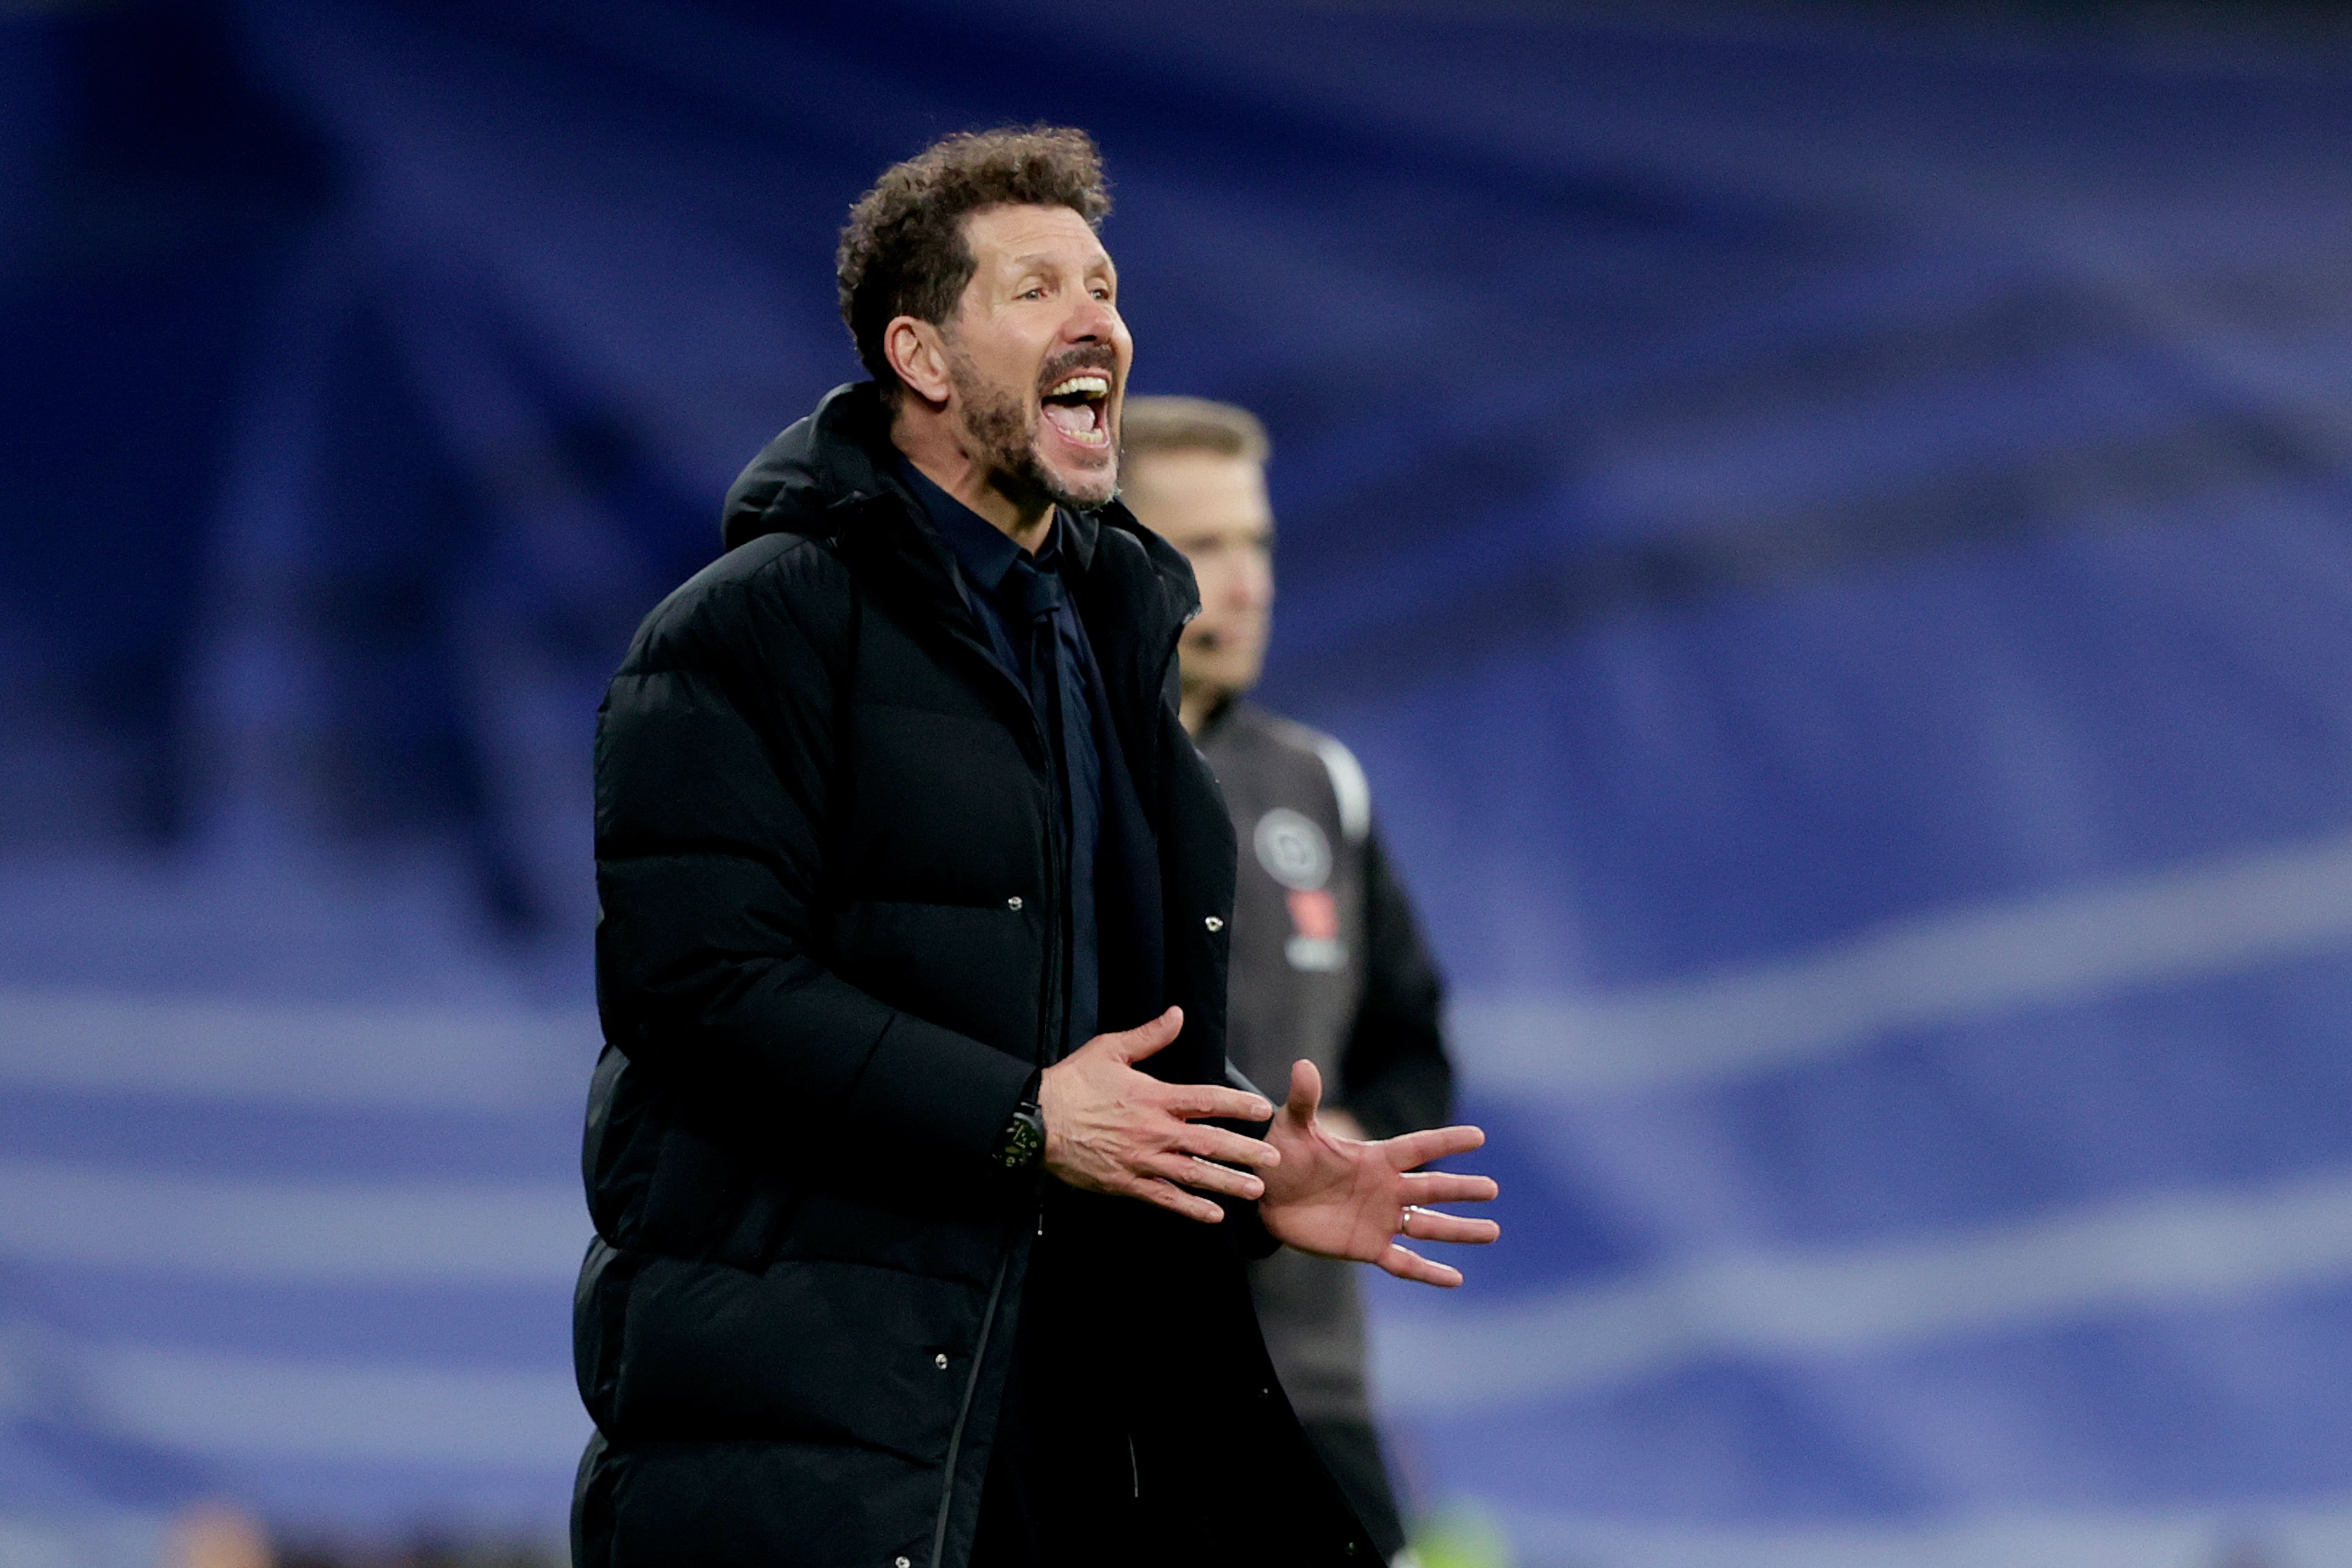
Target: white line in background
<point>216,1405</point>
<point>304,1055</point>
<point>287,1231</point>
<point>2190,923</point>
<point>2150,1253</point>
<point>2159,1538</point>
<point>90,1535</point>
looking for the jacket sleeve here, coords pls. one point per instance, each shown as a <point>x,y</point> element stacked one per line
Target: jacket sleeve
<point>1394,1072</point>
<point>715,755</point>
<point>1244,1229</point>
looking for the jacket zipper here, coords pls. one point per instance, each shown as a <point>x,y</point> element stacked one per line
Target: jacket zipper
<point>1052,1032</point>
<point>963,1411</point>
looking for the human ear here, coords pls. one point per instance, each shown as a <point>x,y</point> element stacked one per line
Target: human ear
<point>916,351</point>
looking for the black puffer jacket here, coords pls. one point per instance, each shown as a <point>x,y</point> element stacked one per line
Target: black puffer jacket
<point>827,962</point>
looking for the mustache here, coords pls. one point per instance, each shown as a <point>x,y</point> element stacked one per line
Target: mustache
<point>1085,356</point>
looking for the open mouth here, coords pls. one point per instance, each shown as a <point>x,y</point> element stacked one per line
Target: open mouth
<point>1078,407</point>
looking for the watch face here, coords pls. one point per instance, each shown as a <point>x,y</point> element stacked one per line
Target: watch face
<point>1024,1136</point>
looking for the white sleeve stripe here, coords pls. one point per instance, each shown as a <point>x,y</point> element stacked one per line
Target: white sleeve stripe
<point>1348,786</point>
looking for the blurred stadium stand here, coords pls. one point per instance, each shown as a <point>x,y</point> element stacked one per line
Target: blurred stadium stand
<point>1829,526</point>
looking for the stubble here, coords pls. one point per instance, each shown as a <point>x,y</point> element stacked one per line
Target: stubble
<point>999,423</point>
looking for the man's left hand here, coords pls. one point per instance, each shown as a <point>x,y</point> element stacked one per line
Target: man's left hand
<point>1339,1198</point>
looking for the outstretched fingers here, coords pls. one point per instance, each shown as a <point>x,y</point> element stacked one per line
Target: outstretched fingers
<point>1448,1186</point>
<point>1187,1170</point>
<point>1411,1149</point>
<point>1146,1039</point>
<point>1407,1264</point>
<point>1167,1195</point>
<point>1233,1148</point>
<point>1305,1094</point>
<point>1429,1225</point>
<point>1196,1102</point>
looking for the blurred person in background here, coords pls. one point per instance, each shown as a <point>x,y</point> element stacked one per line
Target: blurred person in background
<point>1327,959</point>
<point>916,1240</point>
<point>217,1534</point>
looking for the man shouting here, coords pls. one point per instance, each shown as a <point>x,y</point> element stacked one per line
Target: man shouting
<point>923,1187</point>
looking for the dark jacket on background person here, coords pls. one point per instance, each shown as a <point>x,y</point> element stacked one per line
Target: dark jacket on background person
<point>1327,962</point>
<point>829,961</point>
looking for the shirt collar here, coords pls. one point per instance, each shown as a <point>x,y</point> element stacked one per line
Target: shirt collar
<point>985,551</point>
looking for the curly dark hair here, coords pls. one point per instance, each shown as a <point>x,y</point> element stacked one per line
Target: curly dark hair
<point>903,251</point>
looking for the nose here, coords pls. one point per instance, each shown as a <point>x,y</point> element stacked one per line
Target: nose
<point>1092,321</point>
<point>1254,584</point>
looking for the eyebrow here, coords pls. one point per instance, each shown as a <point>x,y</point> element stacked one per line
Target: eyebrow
<point>1046,258</point>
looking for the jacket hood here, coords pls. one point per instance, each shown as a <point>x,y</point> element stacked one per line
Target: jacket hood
<point>839,457</point>
<point>817,462</point>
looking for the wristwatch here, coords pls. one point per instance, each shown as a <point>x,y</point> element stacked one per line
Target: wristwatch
<point>1024,1138</point>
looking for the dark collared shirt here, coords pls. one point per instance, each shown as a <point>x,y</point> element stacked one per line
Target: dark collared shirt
<point>1063,1476</point>
<point>1040,642</point>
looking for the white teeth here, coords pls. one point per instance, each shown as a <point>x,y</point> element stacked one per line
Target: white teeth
<point>1083,386</point>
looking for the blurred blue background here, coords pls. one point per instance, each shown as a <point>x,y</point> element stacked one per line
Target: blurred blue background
<point>1831,529</point>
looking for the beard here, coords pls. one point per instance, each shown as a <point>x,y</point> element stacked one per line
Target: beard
<point>1004,429</point>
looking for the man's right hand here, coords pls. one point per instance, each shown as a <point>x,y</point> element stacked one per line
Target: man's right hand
<point>1110,1128</point>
